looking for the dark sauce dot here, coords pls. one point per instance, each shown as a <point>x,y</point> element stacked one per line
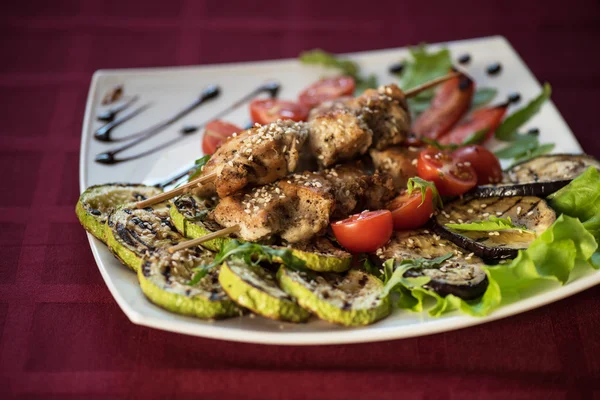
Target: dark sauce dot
<point>465,83</point>
<point>464,59</point>
<point>189,129</point>
<point>494,68</point>
<point>514,98</point>
<point>396,68</point>
<point>534,131</point>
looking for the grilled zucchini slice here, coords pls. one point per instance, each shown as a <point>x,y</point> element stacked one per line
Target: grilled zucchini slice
<point>164,279</point>
<point>529,212</point>
<point>256,288</point>
<point>539,176</point>
<point>133,233</point>
<point>462,275</point>
<point>322,255</point>
<point>97,202</point>
<point>190,215</point>
<point>351,299</point>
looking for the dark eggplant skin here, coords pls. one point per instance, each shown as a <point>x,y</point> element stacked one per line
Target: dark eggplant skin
<point>465,292</point>
<point>529,211</point>
<point>538,189</point>
<point>462,275</point>
<point>489,254</point>
<point>541,180</point>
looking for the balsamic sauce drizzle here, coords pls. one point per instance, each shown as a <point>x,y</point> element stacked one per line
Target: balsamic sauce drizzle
<point>108,158</point>
<point>103,133</point>
<point>110,114</point>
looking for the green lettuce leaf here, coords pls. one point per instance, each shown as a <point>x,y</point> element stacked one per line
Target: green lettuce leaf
<point>580,198</point>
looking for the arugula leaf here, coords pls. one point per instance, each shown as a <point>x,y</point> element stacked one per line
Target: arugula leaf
<point>345,66</point>
<point>370,267</point>
<point>198,164</point>
<point>252,254</point>
<point>424,67</point>
<point>321,57</point>
<point>521,145</point>
<point>417,183</point>
<point>493,223</point>
<point>475,138</point>
<point>538,151</point>
<point>509,127</point>
<point>438,145</point>
<point>397,277</point>
<point>483,96</point>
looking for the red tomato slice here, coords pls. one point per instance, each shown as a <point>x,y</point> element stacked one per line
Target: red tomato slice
<point>485,118</point>
<point>484,162</point>
<point>215,133</point>
<point>451,178</point>
<point>450,103</point>
<point>270,110</point>
<point>327,89</point>
<point>410,211</point>
<point>364,232</point>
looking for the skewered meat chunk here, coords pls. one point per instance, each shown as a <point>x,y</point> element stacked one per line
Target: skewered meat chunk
<point>258,156</point>
<point>301,206</point>
<point>400,163</point>
<point>296,209</point>
<point>337,133</point>
<point>385,112</point>
<point>354,191</point>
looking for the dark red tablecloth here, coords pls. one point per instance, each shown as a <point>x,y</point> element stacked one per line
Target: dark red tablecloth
<point>62,334</point>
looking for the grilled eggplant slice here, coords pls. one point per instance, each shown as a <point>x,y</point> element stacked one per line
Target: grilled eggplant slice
<point>255,288</point>
<point>321,255</point>
<point>462,275</point>
<point>191,217</point>
<point>351,299</point>
<point>531,213</point>
<point>539,176</point>
<point>97,202</point>
<point>133,233</point>
<point>164,279</point>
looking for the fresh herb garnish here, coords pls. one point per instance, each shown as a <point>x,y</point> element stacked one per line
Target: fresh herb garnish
<point>252,254</point>
<point>198,164</point>
<point>397,277</point>
<point>417,183</point>
<point>423,67</point>
<point>474,138</point>
<point>508,129</point>
<point>523,146</point>
<point>482,97</point>
<point>345,66</point>
<point>370,267</point>
<point>493,223</point>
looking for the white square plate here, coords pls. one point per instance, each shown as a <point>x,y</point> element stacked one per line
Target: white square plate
<point>169,89</point>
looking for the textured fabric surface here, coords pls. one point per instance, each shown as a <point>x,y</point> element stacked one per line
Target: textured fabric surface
<point>61,333</point>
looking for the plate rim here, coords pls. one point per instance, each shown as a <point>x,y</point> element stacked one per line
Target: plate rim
<point>333,337</point>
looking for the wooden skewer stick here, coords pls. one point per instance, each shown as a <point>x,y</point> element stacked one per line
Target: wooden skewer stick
<point>428,85</point>
<point>210,236</point>
<point>176,192</point>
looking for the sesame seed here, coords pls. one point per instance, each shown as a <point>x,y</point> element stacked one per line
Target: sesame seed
<point>483,206</point>
<point>498,213</point>
<point>470,211</point>
<point>530,213</point>
<point>486,214</point>
<point>518,210</point>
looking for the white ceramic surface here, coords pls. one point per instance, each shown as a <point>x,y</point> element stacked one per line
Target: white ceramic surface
<point>169,89</point>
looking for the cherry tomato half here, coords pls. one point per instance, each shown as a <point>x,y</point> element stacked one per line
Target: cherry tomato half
<point>364,232</point>
<point>410,211</point>
<point>450,103</point>
<point>215,133</point>
<point>270,110</point>
<point>327,89</point>
<point>485,118</point>
<point>451,178</point>
<point>484,162</point>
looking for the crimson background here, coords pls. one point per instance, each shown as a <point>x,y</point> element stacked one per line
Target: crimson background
<point>62,334</point>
